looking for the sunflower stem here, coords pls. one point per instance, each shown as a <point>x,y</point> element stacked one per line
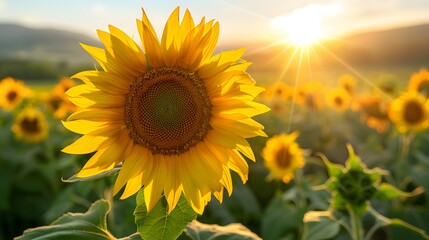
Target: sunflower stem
<point>356,224</point>
<point>405,142</point>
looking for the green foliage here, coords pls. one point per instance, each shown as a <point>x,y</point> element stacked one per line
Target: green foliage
<point>90,225</point>
<point>323,228</point>
<point>196,231</point>
<point>158,223</point>
<point>281,219</point>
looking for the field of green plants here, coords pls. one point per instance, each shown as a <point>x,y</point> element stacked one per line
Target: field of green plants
<point>177,141</point>
<point>350,151</point>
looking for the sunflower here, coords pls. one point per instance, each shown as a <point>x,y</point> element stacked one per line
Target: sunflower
<point>410,112</point>
<point>175,116</point>
<point>12,92</point>
<point>374,111</point>
<point>279,90</point>
<point>283,156</point>
<point>62,86</point>
<point>57,101</point>
<point>419,82</point>
<point>277,96</point>
<point>30,125</point>
<point>338,99</point>
<point>310,95</point>
<point>348,82</point>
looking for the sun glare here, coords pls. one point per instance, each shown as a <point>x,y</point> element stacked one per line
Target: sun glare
<point>303,26</point>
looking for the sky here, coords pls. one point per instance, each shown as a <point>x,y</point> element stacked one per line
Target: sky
<point>240,20</point>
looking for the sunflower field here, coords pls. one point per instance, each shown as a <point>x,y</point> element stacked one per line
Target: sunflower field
<point>168,138</point>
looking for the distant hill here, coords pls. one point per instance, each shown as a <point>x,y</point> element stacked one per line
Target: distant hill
<point>18,42</point>
<point>408,45</point>
<point>394,46</point>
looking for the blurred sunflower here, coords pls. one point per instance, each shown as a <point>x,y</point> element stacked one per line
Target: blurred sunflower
<point>30,125</point>
<point>176,116</point>
<point>278,90</point>
<point>310,94</point>
<point>12,92</point>
<point>373,110</point>
<point>419,82</point>
<point>348,82</point>
<point>338,99</point>
<point>410,112</point>
<point>276,97</point>
<point>57,100</point>
<point>62,86</point>
<point>283,156</point>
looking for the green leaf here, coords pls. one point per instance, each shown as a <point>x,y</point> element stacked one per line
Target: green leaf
<point>157,224</point>
<point>74,178</point>
<point>235,231</point>
<point>79,226</point>
<point>319,225</point>
<point>387,192</point>
<point>281,217</point>
<point>407,226</point>
<point>385,221</point>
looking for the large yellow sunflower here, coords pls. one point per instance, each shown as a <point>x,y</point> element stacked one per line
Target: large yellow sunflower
<point>283,156</point>
<point>30,125</point>
<point>410,112</point>
<point>419,82</point>
<point>173,114</point>
<point>12,92</point>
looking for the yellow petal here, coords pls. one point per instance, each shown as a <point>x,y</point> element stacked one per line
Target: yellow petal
<point>133,165</point>
<point>98,114</point>
<point>220,62</point>
<point>133,186</point>
<point>105,81</point>
<point>153,190</point>
<point>172,187</point>
<point>98,54</point>
<point>83,126</point>
<point>85,144</point>
<point>238,165</point>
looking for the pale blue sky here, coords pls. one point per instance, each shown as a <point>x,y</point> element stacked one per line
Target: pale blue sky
<point>240,20</point>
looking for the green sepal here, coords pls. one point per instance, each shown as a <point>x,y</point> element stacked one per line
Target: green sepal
<point>111,172</point>
<point>75,226</point>
<point>158,224</point>
<point>354,162</point>
<point>334,170</point>
<point>337,202</point>
<point>196,231</point>
<point>386,192</point>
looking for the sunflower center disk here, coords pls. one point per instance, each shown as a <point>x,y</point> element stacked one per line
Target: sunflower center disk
<point>11,96</point>
<point>30,126</point>
<point>168,110</point>
<point>413,112</point>
<point>283,158</point>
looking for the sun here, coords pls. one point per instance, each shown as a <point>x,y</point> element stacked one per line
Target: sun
<point>303,26</point>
